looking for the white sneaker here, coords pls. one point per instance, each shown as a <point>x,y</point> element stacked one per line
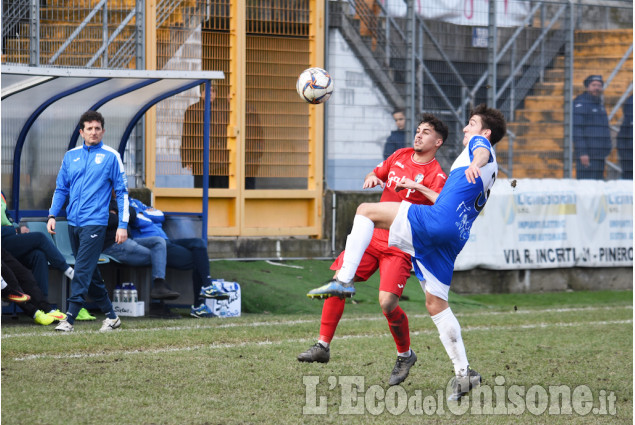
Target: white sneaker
<point>110,324</point>
<point>64,326</point>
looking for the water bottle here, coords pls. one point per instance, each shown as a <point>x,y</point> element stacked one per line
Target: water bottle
<point>116,297</point>
<point>223,310</point>
<point>134,295</point>
<point>125,293</point>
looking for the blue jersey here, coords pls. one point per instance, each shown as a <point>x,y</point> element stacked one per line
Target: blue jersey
<point>86,179</point>
<point>147,223</point>
<point>440,231</point>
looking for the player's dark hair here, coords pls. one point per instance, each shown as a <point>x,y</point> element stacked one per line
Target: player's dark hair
<point>438,125</point>
<point>493,120</point>
<point>89,116</point>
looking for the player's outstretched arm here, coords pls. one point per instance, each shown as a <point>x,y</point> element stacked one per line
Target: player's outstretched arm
<point>481,156</point>
<point>406,183</point>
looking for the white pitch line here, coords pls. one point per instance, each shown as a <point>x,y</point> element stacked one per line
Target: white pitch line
<point>273,263</point>
<point>301,340</point>
<point>315,320</point>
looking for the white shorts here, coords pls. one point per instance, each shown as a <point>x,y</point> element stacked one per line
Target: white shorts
<point>433,286</point>
<point>400,234</point>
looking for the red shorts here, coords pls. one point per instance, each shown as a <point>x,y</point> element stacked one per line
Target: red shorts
<point>394,266</point>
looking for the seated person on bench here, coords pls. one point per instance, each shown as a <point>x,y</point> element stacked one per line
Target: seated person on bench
<point>143,251</point>
<point>183,254</point>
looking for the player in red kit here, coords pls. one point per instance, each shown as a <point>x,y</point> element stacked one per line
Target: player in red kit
<point>412,175</point>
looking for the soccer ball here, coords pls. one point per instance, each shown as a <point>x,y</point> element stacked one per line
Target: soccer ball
<point>314,85</point>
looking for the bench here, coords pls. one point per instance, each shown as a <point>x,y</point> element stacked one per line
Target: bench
<point>176,226</point>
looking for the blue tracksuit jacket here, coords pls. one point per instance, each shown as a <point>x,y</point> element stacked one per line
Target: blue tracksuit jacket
<point>86,179</point>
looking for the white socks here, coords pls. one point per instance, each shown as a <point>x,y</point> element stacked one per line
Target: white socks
<point>70,272</point>
<point>450,335</point>
<point>356,244</point>
<point>323,344</point>
<point>405,354</point>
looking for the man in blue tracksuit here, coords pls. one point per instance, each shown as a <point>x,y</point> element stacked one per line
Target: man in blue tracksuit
<point>591,133</point>
<point>86,179</point>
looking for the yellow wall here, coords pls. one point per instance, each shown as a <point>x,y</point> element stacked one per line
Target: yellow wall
<point>260,77</point>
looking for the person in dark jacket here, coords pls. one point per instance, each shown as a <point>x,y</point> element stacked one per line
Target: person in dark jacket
<point>397,138</point>
<point>625,139</point>
<point>591,133</point>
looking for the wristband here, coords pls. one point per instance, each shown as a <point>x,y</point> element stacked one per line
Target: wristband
<point>50,217</point>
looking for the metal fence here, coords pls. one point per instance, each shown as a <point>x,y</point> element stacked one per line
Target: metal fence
<point>527,58</point>
<point>276,150</point>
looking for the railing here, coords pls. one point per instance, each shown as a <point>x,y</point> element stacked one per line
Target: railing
<point>127,51</point>
<point>536,69</point>
<point>14,12</point>
<point>103,4</point>
<point>530,49</point>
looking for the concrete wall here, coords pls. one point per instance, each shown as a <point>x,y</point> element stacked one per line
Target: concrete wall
<point>480,281</point>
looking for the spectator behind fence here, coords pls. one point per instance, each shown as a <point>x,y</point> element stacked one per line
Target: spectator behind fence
<point>192,140</point>
<point>625,139</point>
<point>150,251</point>
<point>397,138</point>
<point>20,279</point>
<point>34,250</point>
<point>591,133</point>
<point>183,254</point>
<point>88,175</point>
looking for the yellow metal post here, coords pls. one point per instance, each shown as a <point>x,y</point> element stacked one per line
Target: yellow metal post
<point>236,131</point>
<point>316,119</point>
<point>150,117</point>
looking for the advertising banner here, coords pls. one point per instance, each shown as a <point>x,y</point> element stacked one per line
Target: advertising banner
<point>509,13</point>
<point>552,223</point>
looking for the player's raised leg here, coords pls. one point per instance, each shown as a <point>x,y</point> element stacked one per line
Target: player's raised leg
<point>369,216</point>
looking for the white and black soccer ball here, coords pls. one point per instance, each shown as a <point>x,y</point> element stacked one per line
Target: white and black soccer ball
<point>314,85</point>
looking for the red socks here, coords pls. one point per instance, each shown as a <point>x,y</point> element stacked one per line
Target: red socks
<point>331,315</point>
<point>398,324</point>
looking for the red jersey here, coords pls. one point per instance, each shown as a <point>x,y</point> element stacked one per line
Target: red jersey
<point>400,164</point>
<point>394,264</point>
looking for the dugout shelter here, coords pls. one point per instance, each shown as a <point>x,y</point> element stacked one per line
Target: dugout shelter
<point>40,109</point>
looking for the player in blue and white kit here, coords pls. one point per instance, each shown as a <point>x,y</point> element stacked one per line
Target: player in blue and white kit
<point>435,234</point>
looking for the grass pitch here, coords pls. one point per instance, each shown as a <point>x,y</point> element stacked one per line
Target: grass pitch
<point>544,358</point>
